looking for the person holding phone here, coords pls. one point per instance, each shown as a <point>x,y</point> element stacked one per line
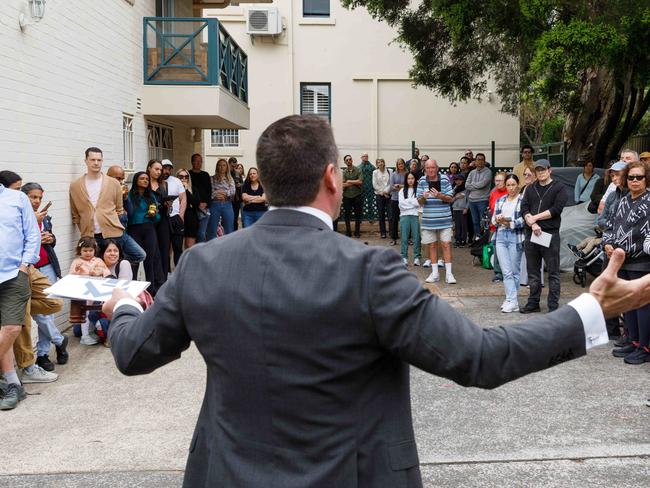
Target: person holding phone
<point>508,239</point>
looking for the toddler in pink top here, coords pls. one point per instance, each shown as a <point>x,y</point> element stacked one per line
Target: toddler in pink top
<point>87,264</point>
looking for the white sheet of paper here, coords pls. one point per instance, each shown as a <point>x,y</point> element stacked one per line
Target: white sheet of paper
<point>544,239</point>
<point>75,287</point>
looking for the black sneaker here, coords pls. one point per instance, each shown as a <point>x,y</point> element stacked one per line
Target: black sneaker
<point>11,396</point>
<point>529,309</point>
<point>624,351</point>
<point>623,341</point>
<point>640,356</point>
<point>45,363</point>
<point>62,351</point>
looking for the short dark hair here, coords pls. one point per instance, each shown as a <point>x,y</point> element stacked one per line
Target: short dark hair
<point>480,154</point>
<point>347,156</point>
<point>194,156</point>
<point>232,160</point>
<point>292,156</point>
<point>511,176</point>
<point>95,150</point>
<point>527,146</point>
<point>8,178</point>
<point>87,241</point>
<point>120,254</point>
<point>465,158</point>
<point>635,164</point>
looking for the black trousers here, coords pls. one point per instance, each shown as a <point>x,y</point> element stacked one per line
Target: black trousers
<point>236,207</point>
<point>145,236</point>
<point>614,324</point>
<point>393,219</point>
<point>470,225</point>
<point>164,234</point>
<point>349,204</point>
<point>382,210</point>
<point>551,256</point>
<point>638,321</point>
<point>460,226</point>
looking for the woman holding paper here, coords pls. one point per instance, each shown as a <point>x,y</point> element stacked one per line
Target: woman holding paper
<point>508,239</point>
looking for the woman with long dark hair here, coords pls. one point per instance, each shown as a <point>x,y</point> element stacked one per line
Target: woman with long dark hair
<point>144,213</point>
<point>254,198</point>
<point>162,225</point>
<point>409,224</point>
<point>397,180</point>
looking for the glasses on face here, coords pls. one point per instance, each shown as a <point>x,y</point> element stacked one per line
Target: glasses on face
<point>183,177</point>
<point>635,177</point>
<point>527,151</point>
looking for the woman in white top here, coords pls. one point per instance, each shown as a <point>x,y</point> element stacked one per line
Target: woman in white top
<point>509,239</point>
<point>409,222</point>
<point>381,186</point>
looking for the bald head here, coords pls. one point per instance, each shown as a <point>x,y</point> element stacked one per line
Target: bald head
<point>431,168</point>
<point>116,172</point>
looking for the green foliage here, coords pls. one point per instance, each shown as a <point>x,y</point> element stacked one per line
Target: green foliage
<point>539,47</point>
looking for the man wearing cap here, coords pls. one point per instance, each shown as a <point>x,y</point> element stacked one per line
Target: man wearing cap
<point>176,211</point>
<point>644,157</point>
<point>541,207</point>
<point>627,156</point>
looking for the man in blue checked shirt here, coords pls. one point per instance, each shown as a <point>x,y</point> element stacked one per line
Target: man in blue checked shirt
<point>19,249</point>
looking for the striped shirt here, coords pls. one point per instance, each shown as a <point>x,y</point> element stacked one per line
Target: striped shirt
<point>436,214</point>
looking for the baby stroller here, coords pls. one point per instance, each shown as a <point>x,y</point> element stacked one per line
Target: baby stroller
<point>587,262</point>
<point>483,239</point>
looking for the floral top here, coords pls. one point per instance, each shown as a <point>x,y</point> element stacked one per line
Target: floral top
<point>226,186</point>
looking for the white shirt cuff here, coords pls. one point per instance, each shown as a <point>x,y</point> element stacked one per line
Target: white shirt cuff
<point>127,301</point>
<point>592,318</point>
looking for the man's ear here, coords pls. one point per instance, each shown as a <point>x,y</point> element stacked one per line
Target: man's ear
<point>331,178</point>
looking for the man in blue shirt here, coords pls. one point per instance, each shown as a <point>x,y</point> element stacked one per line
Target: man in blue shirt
<point>19,249</point>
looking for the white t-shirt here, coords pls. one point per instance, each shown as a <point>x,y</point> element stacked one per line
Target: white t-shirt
<point>508,208</point>
<point>175,187</point>
<point>94,188</point>
<point>610,189</point>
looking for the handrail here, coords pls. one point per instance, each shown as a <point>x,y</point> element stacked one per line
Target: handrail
<point>193,51</point>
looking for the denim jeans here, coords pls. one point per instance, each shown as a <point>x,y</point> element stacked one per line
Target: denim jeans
<point>249,217</point>
<point>410,225</point>
<point>509,251</point>
<point>203,228</point>
<point>133,253</point>
<point>48,333</point>
<point>220,211</point>
<point>477,209</point>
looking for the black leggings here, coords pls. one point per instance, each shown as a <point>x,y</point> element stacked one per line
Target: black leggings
<point>145,236</point>
<point>393,218</point>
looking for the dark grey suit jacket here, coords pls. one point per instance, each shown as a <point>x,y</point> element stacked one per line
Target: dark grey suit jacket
<point>307,336</point>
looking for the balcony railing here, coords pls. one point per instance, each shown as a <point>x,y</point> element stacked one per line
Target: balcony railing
<point>193,51</point>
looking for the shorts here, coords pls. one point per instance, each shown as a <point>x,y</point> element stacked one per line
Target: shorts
<point>442,235</point>
<point>14,297</point>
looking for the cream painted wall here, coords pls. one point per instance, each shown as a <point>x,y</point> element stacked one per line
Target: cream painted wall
<point>374,106</point>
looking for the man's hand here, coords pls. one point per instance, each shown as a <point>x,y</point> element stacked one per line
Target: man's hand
<point>118,294</point>
<point>203,205</point>
<point>616,295</point>
<point>537,230</point>
<point>609,249</point>
<point>530,220</point>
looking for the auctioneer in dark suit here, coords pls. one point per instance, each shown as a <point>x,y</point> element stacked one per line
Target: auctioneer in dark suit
<point>307,336</point>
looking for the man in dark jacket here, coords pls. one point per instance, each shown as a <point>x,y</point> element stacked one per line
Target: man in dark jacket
<point>542,208</point>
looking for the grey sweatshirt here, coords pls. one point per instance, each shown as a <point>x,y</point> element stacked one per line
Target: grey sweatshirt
<point>478,184</point>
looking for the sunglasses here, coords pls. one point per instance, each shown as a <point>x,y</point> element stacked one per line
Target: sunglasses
<point>635,177</point>
<point>183,177</point>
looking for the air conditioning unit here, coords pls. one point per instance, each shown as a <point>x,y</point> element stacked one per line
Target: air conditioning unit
<point>263,21</point>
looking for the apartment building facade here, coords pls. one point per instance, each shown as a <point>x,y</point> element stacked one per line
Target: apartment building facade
<point>344,65</point>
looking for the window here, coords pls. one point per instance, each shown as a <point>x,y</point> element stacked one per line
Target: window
<point>315,99</point>
<point>161,141</point>
<point>225,138</point>
<point>315,8</point>
<point>127,141</point>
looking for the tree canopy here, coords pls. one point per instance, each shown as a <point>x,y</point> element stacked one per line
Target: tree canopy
<point>590,58</point>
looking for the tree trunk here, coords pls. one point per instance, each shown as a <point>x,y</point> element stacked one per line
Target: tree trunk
<point>590,128</point>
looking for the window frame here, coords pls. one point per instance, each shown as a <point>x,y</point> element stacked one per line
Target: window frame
<point>232,135</point>
<point>310,15</point>
<point>329,97</point>
<point>128,146</point>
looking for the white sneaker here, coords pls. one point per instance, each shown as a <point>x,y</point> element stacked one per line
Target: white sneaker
<point>503,305</point>
<point>405,261</point>
<point>441,263</point>
<point>38,375</point>
<point>416,262</point>
<point>88,340</point>
<point>510,307</point>
<point>427,264</point>
<point>449,278</point>
<point>433,277</point>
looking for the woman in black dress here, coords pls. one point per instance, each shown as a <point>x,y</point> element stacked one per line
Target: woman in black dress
<point>163,227</point>
<point>191,218</point>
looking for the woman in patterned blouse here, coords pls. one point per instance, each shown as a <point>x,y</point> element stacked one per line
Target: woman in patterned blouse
<point>223,191</point>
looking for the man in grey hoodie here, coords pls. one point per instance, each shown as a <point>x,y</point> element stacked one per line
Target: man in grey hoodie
<point>478,185</point>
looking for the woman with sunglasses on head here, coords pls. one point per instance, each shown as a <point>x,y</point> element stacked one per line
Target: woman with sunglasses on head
<point>629,231</point>
<point>191,217</point>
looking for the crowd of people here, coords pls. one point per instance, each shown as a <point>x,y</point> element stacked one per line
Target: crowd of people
<point>162,212</point>
<point>149,221</point>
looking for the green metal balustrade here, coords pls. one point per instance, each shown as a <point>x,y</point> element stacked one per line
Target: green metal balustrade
<point>193,51</point>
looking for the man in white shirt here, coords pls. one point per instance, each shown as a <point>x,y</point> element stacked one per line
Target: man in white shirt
<point>177,209</point>
<point>627,156</point>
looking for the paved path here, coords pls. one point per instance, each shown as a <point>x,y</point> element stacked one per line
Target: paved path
<point>581,424</point>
